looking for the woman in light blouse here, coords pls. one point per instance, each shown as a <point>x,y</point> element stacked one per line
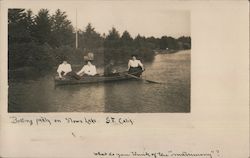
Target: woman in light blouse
<point>135,65</point>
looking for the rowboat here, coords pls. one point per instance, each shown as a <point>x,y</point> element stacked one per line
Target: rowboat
<point>97,78</point>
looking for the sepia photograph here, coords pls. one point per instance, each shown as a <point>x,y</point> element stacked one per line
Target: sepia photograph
<point>124,79</point>
<point>99,58</point>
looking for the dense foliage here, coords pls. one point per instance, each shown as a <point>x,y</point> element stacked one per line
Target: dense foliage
<point>43,41</point>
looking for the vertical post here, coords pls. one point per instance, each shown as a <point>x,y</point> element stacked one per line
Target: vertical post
<point>76,31</point>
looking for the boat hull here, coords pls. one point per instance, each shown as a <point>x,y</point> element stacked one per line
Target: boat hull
<point>92,79</point>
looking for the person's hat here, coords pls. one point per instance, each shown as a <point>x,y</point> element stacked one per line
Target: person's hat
<point>91,56</point>
<point>86,58</point>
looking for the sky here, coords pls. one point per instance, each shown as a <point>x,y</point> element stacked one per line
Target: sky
<point>137,18</point>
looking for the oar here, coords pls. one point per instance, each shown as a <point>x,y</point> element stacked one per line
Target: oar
<point>139,78</point>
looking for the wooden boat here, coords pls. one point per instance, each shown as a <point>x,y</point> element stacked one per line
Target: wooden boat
<point>96,79</point>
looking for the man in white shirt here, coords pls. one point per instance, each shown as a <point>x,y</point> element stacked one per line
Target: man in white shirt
<point>88,69</point>
<point>63,69</point>
<point>135,65</point>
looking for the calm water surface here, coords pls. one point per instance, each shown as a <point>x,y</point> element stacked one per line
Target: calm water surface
<point>39,94</point>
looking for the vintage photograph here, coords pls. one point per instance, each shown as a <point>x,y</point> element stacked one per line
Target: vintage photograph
<point>99,58</point>
<point>124,79</point>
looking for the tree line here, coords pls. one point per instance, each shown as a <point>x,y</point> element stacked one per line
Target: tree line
<point>43,40</point>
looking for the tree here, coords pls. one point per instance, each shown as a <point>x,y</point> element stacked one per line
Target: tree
<point>15,15</point>
<point>61,30</point>
<point>126,39</point>
<point>112,46</point>
<point>184,42</point>
<point>29,20</point>
<point>168,43</point>
<point>153,42</point>
<point>112,39</point>
<point>90,39</point>
<point>139,41</point>
<point>113,34</point>
<point>42,27</point>
<point>19,25</point>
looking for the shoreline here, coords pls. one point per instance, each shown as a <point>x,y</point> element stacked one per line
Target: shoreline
<point>33,69</point>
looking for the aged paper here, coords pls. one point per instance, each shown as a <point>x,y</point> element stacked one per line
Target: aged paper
<point>217,125</point>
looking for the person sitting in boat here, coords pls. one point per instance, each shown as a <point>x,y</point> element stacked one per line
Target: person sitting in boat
<point>64,69</point>
<point>109,69</point>
<point>135,65</point>
<point>89,69</point>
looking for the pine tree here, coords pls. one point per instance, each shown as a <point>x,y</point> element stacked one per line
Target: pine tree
<point>61,30</point>
<point>42,27</point>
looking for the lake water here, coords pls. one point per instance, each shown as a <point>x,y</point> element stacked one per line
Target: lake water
<point>39,94</point>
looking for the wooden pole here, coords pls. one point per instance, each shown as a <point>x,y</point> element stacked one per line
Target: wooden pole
<point>76,31</point>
